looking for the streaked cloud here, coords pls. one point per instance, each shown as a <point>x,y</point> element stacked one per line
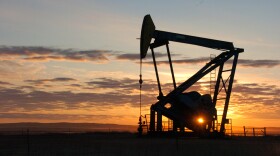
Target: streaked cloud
<point>105,82</point>
<point>123,92</point>
<point>253,93</point>
<point>5,83</point>
<point>16,69</point>
<point>31,93</point>
<point>241,62</point>
<point>33,99</point>
<point>30,53</point>
<point>43,81</point>
<point>257,89</point>
<point>99,56</point>
<point>259,63</point>
<point>136,57</point>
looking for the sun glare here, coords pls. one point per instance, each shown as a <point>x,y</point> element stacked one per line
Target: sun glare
<point>200,120</point>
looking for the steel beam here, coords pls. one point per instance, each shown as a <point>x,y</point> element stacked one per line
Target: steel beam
<point>155,65</point>
<point>199,41</point>
<point>217,86</point>
<point>171,67</point>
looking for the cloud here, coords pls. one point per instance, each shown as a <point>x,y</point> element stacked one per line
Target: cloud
<point>25,99</point>
<point>253,100</point>
<point>62,79</point>
<point>241,62</point>
<point>41,100</point>
<point>257,94</point>
<point>258,63</point>
<point>43,81</point>
<point>5,83</point>
<point>7,66</point>
<point>15,69</point>
<point>29,99</point>
<point>75,85</point>
<point>200,60</point>
<point>186,61</point>
<point>29,53</point>
<point>106,82</point>
<point>128,57</point>
<point>257,89</point>
<point>136,57</point>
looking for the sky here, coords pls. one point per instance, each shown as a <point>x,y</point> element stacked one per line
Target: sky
<point>78,61</point>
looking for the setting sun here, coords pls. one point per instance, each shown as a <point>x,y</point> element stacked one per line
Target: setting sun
<point>200,120</point>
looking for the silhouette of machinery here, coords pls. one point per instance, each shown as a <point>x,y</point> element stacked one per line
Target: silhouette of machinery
<point>189,110</point>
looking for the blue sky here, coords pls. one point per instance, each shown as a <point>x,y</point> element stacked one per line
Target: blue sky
<point>56,48</point>
<point>101,24</point>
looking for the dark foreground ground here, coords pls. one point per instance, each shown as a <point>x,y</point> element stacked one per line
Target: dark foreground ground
<point>126,144</point>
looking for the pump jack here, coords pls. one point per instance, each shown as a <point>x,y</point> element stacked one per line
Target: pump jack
<point>189,109</point>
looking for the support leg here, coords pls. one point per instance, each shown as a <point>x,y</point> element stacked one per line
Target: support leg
<point>152,120</point>
<point>228,93</point>
<point>159,121</point>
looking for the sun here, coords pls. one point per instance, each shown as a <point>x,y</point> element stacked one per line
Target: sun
<point>200,120</point>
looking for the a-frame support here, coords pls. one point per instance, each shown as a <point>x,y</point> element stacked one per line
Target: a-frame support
<point>219,61</point>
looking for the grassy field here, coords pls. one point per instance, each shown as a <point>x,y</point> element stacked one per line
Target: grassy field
<point>127,144</point>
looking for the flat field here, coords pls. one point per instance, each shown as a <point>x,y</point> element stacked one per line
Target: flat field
<point>128,144</point>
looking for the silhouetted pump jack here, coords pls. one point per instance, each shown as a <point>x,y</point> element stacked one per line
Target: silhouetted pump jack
<point>189,110</point>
